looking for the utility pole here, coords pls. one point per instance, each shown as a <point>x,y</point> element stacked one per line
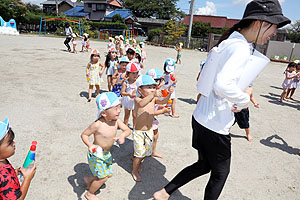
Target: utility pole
<point>191,22</point>
<point>56,2</point>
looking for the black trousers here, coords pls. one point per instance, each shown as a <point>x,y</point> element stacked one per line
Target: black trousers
<point>66,42</point>
<point>214,151</point>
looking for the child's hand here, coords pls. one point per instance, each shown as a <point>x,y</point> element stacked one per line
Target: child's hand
<point>171,90</point>
<point>18,171</point>
<point>87,74</point>
<point>132,95</point>
<point>100,73</point>
<point>92,147</point>
<point>119,139</point>
<point>167,110</point>
<point>28,173</point>
<point>257,105</point>
<point>158,93</point>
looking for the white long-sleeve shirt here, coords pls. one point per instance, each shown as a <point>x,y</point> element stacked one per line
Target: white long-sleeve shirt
<point>215,111</point>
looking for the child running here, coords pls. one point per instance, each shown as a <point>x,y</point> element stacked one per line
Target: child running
<point>111,63</point>
<point>104,130</point>
<point>144,111</point>
<point>120,76</point>
<point>287,83</point>
<point>10,188</point>
<point>93,73</point>
<point>178,49</point>
<point>138,59</point>
<point>128,91</point>
<point>296,82</point>
<point>170,80</point>
<point>83,42</point>
<point>74,42</point>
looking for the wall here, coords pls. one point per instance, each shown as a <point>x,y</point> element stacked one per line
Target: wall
<point>283,49</point>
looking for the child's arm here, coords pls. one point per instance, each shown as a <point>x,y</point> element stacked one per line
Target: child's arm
<point>115,75</point>
<point>249,91</point>
<point>87,71</point>
<point>86,134</point>
<point>123,93</point>
<point>162,111</point>
<point>173,75</point>
<point>287,76</point>
<point>143,102</point>
<point>28,176</point>
<point>142,65</point>
<point>102,68</point>
<point>166,99</point>
<point>126,132</point>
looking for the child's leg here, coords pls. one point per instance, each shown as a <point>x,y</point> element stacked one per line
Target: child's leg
<point>287,93</point>
<point>154,153</point>
<point>173,109</point>
<point>292,93</point>
<point>98,90</point>
<point>249,137</point>
<point>95,184</point>
<point>133,119</point>
<point>90,92</point>
<point>135,171</point>
<point>283,94</point>
<point>126,116</point>
<point>198,97</point>
<point>109,80</point>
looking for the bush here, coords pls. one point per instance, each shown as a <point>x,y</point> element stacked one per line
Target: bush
<point>154,32</point>
<point>117,18</point>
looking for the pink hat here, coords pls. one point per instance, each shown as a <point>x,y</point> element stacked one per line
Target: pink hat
<point>112,50</point>
<point>132,67</point>
<point>95,52</point>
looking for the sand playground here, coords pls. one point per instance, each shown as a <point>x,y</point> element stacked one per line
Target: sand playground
<point>44,94</point>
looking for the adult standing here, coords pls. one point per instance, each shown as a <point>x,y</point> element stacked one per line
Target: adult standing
<point>214,113</point>
<point>68,31</point>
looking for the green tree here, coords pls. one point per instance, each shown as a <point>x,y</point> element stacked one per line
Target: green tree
<point>200,29</point>
<point>160,9</point>
<point>294,32</point>
<point>175,29</point>
<point>117,18</point>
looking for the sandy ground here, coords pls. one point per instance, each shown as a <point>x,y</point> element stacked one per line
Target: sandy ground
<point>44,94</point>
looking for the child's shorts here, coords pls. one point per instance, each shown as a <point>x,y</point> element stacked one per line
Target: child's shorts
<point>143,143</point>
<point>117,89</point>
<point>242,118</point>
<point>100,167</point>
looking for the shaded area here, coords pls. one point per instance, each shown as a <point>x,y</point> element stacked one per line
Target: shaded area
<point>238,136</point>
<point>275,87</point>
<point>274,98</point>
<point>188,100</point>
<point>86,94</point>
<point>283,146</point>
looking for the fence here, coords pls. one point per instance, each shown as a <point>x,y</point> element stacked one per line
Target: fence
<point>283,50</point>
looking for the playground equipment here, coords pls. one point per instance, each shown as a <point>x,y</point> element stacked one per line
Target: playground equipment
<point>129,34</point>
<point>8,28</point>
<point>80,24</point>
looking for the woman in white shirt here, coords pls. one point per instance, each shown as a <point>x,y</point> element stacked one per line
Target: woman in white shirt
<point>214,113</point>
<point>68,31</point>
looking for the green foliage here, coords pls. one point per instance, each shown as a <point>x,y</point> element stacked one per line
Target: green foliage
<point>175,29</point>
<point>117,18</point>
<point>154,32</point>
<point>294,32</point>
<point>201,29</point>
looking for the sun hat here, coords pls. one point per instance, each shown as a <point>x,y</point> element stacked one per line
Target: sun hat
<point>297,61</point>
<point>95,52</point>
<point>124,59</point>
<point>131,49</point>
<point>4,127</point>
<point>169,65</point>
<point>155,73</point>
<point>105,101</point>
<point>266,10</point>
<point>138,51</point>
<point>145,80</point>
<point>112,50</point>
<point>121,37</point>
<point>132,67</point>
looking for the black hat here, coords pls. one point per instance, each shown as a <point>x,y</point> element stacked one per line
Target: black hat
<point>266,10</point>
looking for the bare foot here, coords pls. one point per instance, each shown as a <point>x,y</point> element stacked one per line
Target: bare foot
<point>161,195</point>
<point>155,154</point>
<point>87,181</point>
<point>291,98</point>
<point>89,99</point>
<point>136,176</point>
<point>175,116</point>
<point>249,138</point>
<point>90,196</point>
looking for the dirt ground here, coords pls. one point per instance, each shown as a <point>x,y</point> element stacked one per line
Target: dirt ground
<point>44,94</point>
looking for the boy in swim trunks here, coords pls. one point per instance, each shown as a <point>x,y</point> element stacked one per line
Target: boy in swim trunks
<point>144,112</point>
<point>104,130</point>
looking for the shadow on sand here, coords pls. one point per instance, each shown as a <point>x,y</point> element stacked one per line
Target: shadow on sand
<point>86,94</point>
<point>274,98</point>
<point>189,100</point>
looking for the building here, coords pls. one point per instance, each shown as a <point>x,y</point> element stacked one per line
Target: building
<point>148,23</point>
<point>78,11</point>
<point>49,6</point>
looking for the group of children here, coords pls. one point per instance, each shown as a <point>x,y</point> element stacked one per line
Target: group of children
<point>85,42</point>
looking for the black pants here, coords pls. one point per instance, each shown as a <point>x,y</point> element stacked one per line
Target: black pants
<point>214,151</point>
<point>66,42</point>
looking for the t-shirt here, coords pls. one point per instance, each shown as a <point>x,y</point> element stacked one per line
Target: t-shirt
<point>9,184</point>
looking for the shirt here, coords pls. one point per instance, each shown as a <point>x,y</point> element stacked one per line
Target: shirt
<point>215,111</point>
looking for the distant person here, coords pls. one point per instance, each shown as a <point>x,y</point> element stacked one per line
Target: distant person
<point>111,63</point>
<point>84,40</point>
<point>178,48</point>
<point>214,113</point>
<point>290,74</point>
<point>296,82</point>
<point>68,31</point>
<point>74,42</point>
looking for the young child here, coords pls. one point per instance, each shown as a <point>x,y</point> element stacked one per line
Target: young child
<point>74,42</point>
<point>83,42</point>
<point>104,130</point>
<point>178,49</point>
<point>122,47</point>
<point>120,76</point>
<point>157,75</point>
<point>170,80</point>
<point>130,54</point>
<point>94,73</point>
<point>88,45</point>
<point>242,117</point>
<point>10,188</point>
<point>144,112</point>
<point>287,83</point>
<point>134,44</point>
<point>128,91</point>
<point>138,59</point>
<point>296,82</point>
<point>111,63</point>
<point>110,43</point>
<point>144,54</point>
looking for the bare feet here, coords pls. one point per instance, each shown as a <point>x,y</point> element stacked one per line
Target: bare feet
<point>89,99</point>
<point>155,154</point>
<point>291,98</point>
<point>136,176</point>
<point>249,138</point>
<point>175,116</point>
<point>90,196</point>
<point>161,195</point>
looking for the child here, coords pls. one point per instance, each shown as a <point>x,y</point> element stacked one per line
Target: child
<point>171,80</point>
<point>74,42</point>
<point>296,82</point>
<point>83,42</point>
<point>93,72</point>
<point>144,55</point>
<point>287,83</point>
<point>157,75</point>
<point>88,43</point>
<point>144,112</point>
<point>121,44</point>
<point>138,59</point>
<point>120,76</point>
<point>178,49</point>
<point>242,117</point>
<point>10,188</point>
<point>127,45</point>
<point>134,44</point>
<point>130,52</point>
<point>110,43</point>
<point>111,63</point>
<point>128,91</point>
<point>104,130</point>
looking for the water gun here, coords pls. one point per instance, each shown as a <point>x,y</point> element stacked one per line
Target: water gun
<point>169,104</point>
<point>166,86</point>
<point>30,158</point>
<point>98,151</point>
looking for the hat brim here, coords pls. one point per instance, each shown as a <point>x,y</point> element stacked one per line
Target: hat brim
<point>280,20</point>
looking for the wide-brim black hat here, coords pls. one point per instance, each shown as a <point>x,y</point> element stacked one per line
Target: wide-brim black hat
<point>266,10</point>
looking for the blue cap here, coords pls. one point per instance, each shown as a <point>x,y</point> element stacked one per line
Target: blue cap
<point>124,59</point>
<point>170,65</point>
<point>105,101</point>
<point>145,80</point>
<point>4,127</point>
<point>155,73</point>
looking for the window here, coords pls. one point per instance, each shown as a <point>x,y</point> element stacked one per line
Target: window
<point>100,6</point>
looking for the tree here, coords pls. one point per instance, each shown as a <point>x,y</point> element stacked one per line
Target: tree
<point>117,18</point>
<point>175,29</point>
<point>160,9</point>
<point>294,32</point>
<point>200,29</point>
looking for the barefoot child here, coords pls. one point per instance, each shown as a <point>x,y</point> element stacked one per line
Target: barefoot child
<point>178,49</point>
<point>10,188</point>
<point>144,112</point>
<point>120,76</point>
<point>104,130</point>
<point>94,72</point>
<point>74,42</point>
<point>111,63</point>
<point>288,81</point>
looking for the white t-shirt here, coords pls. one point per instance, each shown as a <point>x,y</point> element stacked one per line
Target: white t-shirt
<point>69,31</point>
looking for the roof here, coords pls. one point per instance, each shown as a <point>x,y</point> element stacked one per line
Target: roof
<point>152,21</point>
<point>53,2</point>
<point>215,21</point>
<point>115,3</point>
<point>125,13</point>
<point>77,12</point>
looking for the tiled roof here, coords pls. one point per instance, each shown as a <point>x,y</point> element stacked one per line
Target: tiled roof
<point>115,3</point>
<point>123,12</point>
<point>215,21</point>
<point>78,12</point>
